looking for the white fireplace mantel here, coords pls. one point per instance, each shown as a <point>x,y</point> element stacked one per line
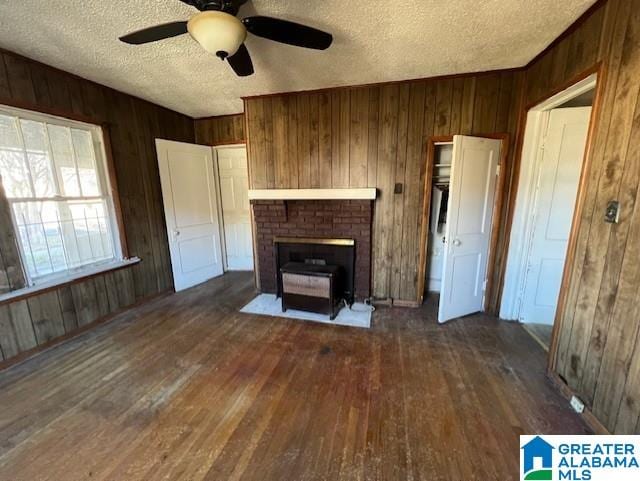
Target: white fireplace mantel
<point>313,194</point>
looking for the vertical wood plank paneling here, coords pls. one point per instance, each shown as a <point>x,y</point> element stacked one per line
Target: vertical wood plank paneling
<point>8,342</point>
<point>40,85</point>
<point>324,126</point>
<point>486,103</point>
<point>444,94</point>
<point>59,91</point>
<point>414,178</point>
<point>374,126</point>
<point>383,215</point>
<point>314,140</point>
<point>303,155</point>
<point>68,309</point>
<point>610,52</point>
<point>501,251</point>
<point>614,301</point>
<point>269,143</point>
<point>628,83</point>
<point>398,198</point>
<point>292,164</point>
<point>20,82</point>
<point>280,143</point>
<point>359,138</point>
<point>23,328</point>
<point>256,151</point>
<point>86,302</point>
<point>101,296</point>
<point>340,133</point>
<point>133,124</point>
<point>112,289</point>
<point>225,129</point>
<point>5,90</point>
<point>125,283</point>
<point>46,316</point>
<point>504,105</point>
<point>376,136</point>
<point>468,105</point>
<point>457,97</point>
<point>598,350</point>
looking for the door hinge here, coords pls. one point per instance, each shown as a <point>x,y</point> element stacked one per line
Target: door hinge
<point>484,285</point>
<point>498,170</point>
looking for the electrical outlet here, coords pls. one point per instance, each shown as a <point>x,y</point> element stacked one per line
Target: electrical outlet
<point>612,212</point>
<point>577,404</point>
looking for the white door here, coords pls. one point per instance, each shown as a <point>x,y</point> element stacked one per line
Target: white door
<point>191,212</point>
<point>234,192</point>
<point>474,171</point>
<point>557,188</point>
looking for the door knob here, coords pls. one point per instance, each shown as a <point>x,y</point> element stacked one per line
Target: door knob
<point>457,242</point>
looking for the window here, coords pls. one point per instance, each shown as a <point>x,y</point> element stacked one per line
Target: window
<point>53,172</point>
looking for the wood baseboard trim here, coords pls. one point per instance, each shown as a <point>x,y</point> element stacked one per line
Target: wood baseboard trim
<point>26,355</point>
<point>535,337</point>
<point>401,303</point>
<point>587,416</point>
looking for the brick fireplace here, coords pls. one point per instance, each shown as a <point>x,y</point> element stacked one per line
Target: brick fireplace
<point>329,219</point>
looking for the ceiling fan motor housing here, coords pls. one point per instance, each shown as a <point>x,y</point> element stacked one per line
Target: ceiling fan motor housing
<point>227,6</point>
<point>219,33</point>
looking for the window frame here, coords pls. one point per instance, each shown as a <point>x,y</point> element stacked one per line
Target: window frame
<point>109,194</point>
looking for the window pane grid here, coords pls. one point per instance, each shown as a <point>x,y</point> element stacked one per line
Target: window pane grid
<point>54,244</point>
<point>52,179</point>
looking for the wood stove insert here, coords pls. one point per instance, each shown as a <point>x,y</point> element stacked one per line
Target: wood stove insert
<point>315,266</point>
<point>310,287</point>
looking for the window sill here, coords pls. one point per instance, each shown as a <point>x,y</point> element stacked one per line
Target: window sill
<point>32,291</point>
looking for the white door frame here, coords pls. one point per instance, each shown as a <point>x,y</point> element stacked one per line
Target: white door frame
<point>216,168</point>
<point>522,226</point>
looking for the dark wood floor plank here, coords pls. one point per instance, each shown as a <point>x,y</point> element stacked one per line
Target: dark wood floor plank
<point>186,387</point>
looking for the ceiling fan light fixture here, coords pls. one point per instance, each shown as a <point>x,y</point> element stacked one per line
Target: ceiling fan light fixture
<point>218,33</point>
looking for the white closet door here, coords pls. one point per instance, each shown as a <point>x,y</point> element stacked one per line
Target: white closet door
<point>191,212</point>
<point>234,192</point>
<point>468,233</point>
<point>557,189</point>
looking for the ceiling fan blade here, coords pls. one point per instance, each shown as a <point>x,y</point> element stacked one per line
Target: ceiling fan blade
<point>152,34</point>
<point>241,62</point>
<point>287,32</point>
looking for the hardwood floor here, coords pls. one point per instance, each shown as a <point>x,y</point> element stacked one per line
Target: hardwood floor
<point>541,333</point>
<point>187,388</point>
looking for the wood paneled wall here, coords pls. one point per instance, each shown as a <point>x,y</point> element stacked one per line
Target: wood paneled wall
<point>598,352</point>
<point>30,323</point>
<point>225,129</point>
<point>132,124</point>
<point>375,136</point>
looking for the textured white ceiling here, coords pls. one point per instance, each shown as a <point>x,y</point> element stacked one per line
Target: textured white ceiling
<point>375,41</point>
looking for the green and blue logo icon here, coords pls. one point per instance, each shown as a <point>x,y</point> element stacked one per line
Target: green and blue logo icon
<point>579,458</point>
<point>537,460</point>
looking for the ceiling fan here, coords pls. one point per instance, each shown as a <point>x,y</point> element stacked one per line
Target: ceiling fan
<point>217,29</point>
